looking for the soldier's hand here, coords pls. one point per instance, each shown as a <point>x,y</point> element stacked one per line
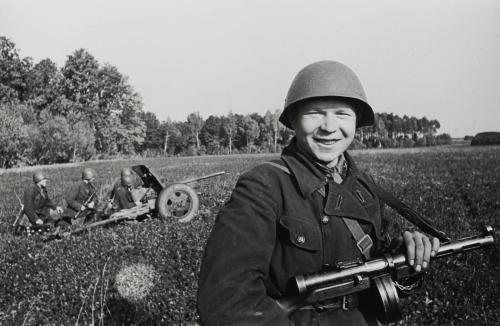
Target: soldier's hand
<point>38,222</point>
<point>91,205</point>
<point>59,209</point>
<point>419,249</point>
<point>138,203</point>
<point>83,208</point>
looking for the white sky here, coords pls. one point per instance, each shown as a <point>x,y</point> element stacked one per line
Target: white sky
<point>437,58</point>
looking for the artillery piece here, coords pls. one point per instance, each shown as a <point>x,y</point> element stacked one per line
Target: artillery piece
<point>177,200</point>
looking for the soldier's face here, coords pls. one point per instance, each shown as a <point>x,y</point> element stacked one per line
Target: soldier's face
<point>43,183</point>
<point>324,128</point>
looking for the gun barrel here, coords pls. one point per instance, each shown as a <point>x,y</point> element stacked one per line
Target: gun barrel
<point>202,177</point>
<point>305,283</point>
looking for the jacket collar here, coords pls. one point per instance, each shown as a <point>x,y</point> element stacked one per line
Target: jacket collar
<point>308,175</point>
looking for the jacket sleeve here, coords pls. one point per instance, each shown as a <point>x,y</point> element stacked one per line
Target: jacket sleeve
<point>231,288</point>
<point>71,198</point>
<point>29,209</point>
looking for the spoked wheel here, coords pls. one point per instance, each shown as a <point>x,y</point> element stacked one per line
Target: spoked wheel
<point>178,201</point>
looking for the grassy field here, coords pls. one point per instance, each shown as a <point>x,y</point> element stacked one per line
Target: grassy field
<point>146,273</point>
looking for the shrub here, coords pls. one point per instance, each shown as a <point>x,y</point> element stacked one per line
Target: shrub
<point>443,139</point>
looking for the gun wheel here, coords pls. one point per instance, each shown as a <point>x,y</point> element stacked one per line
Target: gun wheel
<point>178,201</point>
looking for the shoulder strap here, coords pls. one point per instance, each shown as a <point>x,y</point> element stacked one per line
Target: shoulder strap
<point>408,213</point>
<point>281,166</point>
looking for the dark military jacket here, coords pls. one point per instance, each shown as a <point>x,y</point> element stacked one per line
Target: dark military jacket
<point>122,198</point>
<point>77,196</point>
<point>37,203</point>
<point>278,225</point>
<point>118,183</point>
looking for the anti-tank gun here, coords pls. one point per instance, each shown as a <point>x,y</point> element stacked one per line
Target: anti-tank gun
<point>380,276</point>
<point>177,200</point>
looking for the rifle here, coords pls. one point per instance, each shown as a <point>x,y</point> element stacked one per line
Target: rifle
<point>380,274</point>
<point>89,199</point>
<point>19,214</point>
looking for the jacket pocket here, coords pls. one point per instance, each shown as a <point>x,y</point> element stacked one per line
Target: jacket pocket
<point>302,233</point>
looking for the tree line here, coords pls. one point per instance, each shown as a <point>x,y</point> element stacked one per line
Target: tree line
<point>87,110</point>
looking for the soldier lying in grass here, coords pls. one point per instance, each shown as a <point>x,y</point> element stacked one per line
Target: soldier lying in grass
<point>39,208</point>
<point>312,210</point>
<point>82,200</point>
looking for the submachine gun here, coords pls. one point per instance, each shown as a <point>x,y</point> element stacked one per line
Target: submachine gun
<point>90,198</point>
<point>381,275</point>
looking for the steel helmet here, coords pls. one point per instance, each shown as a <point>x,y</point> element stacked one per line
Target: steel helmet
<point>127,180</point>
<point>126,171</point>
<point>328,79</point>
<point>38,176</point>
<point>88,174</point>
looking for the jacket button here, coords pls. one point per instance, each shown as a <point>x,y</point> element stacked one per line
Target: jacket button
<point>325,219</point>
<point>301,239</point>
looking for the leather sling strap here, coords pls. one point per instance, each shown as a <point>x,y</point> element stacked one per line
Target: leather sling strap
<point>363,240</point>
<point>411,215</point>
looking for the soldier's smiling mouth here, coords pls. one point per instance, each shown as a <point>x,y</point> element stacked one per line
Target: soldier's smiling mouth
<point>326,141</point>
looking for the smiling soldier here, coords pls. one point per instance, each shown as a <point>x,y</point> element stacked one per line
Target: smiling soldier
<point>310,211</point>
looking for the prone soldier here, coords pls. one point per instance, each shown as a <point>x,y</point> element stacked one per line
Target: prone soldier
<point>39,208</point>
<point>123,197</point>
<point>136,187</point>
<point>81,199</point>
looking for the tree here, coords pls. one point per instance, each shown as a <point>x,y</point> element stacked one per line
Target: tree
<point>210,134</point>
<point>12,134</point>
<point>43,84</point>
<point>195,123</point>
<point>134,129</point>
<point>171,134</point>
<point>229,129</point>
<point>154,138</point>
<point>50,142</point>
<point>250,129</point>
<point>81,83</point>
<point>13,72</point>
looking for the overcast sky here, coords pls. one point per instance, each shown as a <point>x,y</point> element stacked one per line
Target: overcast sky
<point>439,59</point>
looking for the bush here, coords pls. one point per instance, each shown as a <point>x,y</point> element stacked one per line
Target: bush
<point>486,138</point>
<point>443,139</point>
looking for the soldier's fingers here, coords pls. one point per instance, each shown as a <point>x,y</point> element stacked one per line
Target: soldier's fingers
<point>427,251</point>
<point>419,250</point>
<point>435,246</point>
<point>410,247</point>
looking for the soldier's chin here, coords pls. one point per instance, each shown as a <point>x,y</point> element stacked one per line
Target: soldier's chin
<point>326,159</point>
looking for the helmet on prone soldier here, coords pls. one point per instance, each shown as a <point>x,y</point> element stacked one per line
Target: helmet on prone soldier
<point>327,79</point>
<point>88,174</point>
<point>38,176</point>
<point>126,171</point>
<point>127,181</point>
